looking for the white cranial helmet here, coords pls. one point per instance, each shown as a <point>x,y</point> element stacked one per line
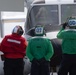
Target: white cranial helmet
<point>18,30</point>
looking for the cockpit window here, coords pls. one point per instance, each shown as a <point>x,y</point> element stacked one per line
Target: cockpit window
<point>67,10</point>
<point>45,15</point>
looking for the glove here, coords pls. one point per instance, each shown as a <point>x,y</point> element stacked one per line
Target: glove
<point>64,25</point>
<point>35,61</point>
<point>42,60</point>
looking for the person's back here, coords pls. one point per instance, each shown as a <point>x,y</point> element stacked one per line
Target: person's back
<point>39,51</point>
<point>69,40</point>
<point>40,46</point>
<point>68,37</point>
<point>14,47</point>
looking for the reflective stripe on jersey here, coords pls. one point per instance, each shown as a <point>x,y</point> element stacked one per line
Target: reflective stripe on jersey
<point>15,41</point>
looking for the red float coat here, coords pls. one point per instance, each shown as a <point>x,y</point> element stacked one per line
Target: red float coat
<point>14,46</point>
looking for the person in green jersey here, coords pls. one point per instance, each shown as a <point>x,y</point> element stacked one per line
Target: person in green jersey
<point>68,36</point>
<point>39,51</point>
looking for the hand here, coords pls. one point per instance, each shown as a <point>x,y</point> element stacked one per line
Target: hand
<point>64,25</point>
<point>35,61</point>
<point>42,60</point>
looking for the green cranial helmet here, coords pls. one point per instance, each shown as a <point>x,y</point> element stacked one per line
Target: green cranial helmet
<point>39,30</point>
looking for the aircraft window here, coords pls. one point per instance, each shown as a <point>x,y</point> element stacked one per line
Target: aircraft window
<point>45,15</point>
<point>67,10</point>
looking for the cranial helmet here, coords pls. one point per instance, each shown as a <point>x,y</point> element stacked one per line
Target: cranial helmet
<point>72,22</point>
<point>39,30</point>
<point>18,30</point>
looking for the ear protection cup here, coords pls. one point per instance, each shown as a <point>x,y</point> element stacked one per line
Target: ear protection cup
<point>20,31</point>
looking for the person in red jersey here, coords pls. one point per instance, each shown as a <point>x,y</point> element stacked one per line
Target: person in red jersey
<point>14,48</point>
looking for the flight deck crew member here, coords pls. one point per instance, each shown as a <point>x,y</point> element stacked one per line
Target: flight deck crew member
<point>68,64</point>
<point>39,51</point>
<point>14,48</point>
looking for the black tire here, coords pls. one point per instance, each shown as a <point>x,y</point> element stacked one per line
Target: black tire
<point>56,59</point>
